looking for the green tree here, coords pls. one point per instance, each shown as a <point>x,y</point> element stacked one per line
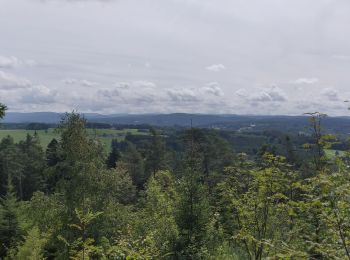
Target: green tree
<point>10,231</point>
<point>336,208</point>
<point>34,162</point>
<point>113,186</point>
<point>3,109</point>
<point>11,164</point>
<point>159,213</point>
<point>193,211</point>
<point>114,155</point>
<point>135,165</point>
<point>33,247</point>
<point>258,199</point>
<point>320,140</point>
<point>291,155</point>
<point>83,246</point>
<point>215,153</point>
<point>310,208</point>
<point>155,153</point>
<point>52,153</point>
<point>80,161</point>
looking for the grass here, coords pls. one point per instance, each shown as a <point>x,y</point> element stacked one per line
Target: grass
<point>104,135</point>
<point>20,134</point>
<point>332,153</point>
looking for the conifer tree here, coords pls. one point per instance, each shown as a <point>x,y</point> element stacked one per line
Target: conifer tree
<point>193,206</point>
<point>155,156</point>
<point>52,156</point>
<point>114,155</point>
<point>9,225</point>
<point>135,165</point>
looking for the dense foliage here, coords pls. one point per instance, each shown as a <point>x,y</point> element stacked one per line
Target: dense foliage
<point>188,196</point>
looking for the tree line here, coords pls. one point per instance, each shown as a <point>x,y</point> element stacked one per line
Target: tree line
<point>189,198</point>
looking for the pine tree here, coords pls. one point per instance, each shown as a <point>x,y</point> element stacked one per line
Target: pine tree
<point>290,151</point>
<point>135,165</point>
<point>9,226</point>
<point>193,206</point>
<point>114,155</point>
<point>155,156</point>
<point>32,248</point>
<point>11,164</point>
<point>52,156</point>
<point>33,160</point>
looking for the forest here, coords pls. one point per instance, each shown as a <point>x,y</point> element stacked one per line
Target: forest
<point>188,195</point>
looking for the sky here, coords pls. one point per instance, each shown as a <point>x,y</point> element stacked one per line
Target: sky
<point>165,56</point>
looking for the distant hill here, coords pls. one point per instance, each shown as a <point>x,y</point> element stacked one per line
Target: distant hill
<point>39,117</point>
<point>42,117</point>
<point>233,122</point>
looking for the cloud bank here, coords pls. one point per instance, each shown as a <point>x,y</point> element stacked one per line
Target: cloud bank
<point>225,56</point>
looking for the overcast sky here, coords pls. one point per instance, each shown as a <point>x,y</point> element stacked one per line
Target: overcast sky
<point>203,56</point>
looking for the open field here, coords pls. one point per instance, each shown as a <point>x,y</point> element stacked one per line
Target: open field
<point>104,135</point>
<point>333,153</point>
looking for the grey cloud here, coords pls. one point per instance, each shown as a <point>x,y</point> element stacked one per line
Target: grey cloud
<point>341,57</point>
<point>182,95</point>
<point>213,88</point>
<point>108,93</point>
<point>122,85</point>
<point>22,91</point>
<point>276,94</point>
<point>216,67</point>
<point>72,1</point>
<point>39,95</point>
<point>331,94</point>
<point>10,81</point>
<point>14,62</point>
<point>82,82</point>
<point>306,81</point>
<point>260,97</point>
<point>131,92</point>
<point>184,43</point>
<point>242,93</point>
<point>272,94</point>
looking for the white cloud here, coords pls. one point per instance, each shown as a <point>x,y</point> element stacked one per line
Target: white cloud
<point>243,93</point>
<point>8,62</point>
<point>122,85</point>
<point>216,67</point>
<point>10,81</point>
<point>331,94</point>
<point>272,94</point>
<point>182,95</point>
<point>306,81</point>
<point>14,62</point>
<point>276,94</point>
<point>135,95</point>
<point>143,84</point>
<point>20,92</point>
<point>341,57</point>
<point>39,95</point>
<point>72,1</point>
<point>108,93</point>
<point>248,38</point>
<point>81,82</point>
<point>87,83</point>
<point>260,97</point>
<point>213,88</point>
<point>134,92</point>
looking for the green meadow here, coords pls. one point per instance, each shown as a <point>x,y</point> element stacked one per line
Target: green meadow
<point>105,136</point>
<point>333,153</point>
